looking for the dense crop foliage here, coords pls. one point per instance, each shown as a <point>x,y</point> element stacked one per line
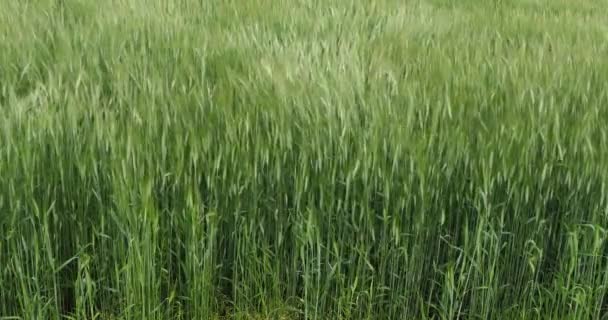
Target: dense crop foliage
<point>303,159</point>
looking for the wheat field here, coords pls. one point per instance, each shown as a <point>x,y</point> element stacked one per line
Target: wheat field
<point>303,159</point>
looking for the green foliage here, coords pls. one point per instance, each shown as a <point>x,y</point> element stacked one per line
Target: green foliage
<point>303,160</point>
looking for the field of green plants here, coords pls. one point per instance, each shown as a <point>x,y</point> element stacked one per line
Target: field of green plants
<point>303,159</point>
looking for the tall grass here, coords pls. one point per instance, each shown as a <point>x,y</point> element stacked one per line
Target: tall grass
<point>303,159</point>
